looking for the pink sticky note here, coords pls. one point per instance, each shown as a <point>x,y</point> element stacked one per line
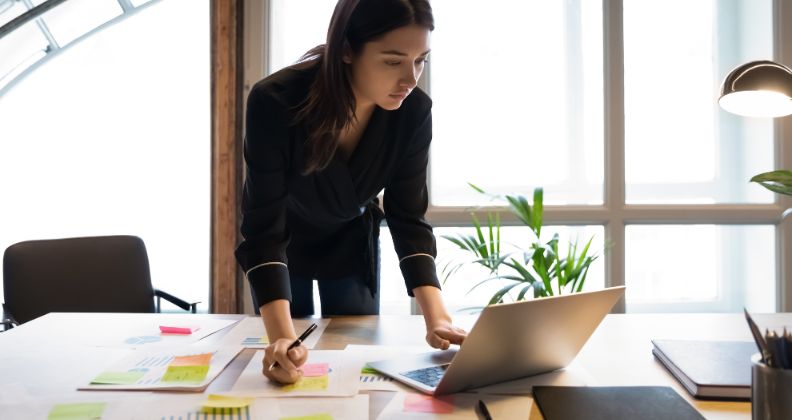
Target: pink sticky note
<point>176,330</point>
<point>315,369</point>
<point>419,403</point>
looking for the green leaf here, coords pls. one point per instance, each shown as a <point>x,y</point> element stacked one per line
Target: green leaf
<point>521,209</point>
<point>476,188</point>
<point>482,282</point>
<point>779,181</point>
<point>491,234</point>
<point>521,270</point>
<point>538,209</point>
<point>498,296</point>
<point>521,296</point>
<point>483,244</point>
<point>497,222</point>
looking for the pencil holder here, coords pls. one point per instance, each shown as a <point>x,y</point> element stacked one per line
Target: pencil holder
<point>771,389</point>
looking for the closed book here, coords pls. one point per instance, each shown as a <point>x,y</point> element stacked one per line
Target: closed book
<point>612,403</point>
<point>709,369</point>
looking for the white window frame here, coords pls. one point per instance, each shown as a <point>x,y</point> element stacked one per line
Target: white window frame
<point>614,214</point>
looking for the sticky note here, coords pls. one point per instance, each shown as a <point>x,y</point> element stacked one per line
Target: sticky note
<point>165,329</point>
<point>224,401</point>
<point>315,369</point>
<point>118,378</point>
<point>193,360</point>
<point>311,383</point>
<point>253,341</point>
<point>321,416</point>
<point>419,403</point>
<point>369,370</point>
<point>193,374</point>
<point>82,411</point>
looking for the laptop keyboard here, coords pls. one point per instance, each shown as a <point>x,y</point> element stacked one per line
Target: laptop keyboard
<point>429,376</point>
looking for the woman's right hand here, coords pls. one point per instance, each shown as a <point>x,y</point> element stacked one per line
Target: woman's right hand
<point>289,361</point>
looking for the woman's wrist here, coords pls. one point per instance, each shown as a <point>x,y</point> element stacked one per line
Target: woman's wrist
<point>431,303</point>
<point>277,320</point>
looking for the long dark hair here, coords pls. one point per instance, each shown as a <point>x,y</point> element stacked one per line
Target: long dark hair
<point>330,104</point>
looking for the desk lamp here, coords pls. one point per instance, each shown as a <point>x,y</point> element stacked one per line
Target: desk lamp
<point>761,89</point>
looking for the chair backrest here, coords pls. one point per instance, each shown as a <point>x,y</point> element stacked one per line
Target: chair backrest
<point>92,274</point>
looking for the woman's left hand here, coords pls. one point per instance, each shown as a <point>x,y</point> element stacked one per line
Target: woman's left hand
<point>441,334</point>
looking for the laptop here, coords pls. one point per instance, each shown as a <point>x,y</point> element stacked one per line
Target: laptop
<point>508,341</point>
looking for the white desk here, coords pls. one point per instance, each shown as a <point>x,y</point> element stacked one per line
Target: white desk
<point>48,356</point>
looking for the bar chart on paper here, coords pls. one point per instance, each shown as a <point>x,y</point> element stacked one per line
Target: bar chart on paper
<point>216,414</point>
<point>180,369</point>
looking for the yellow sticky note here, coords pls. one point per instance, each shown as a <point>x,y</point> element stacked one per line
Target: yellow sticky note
<point>193,360</point>
<point>224,401</point>
<point>315,383</point>
<point>192,374</point>
<point>320,416</point>
<point>82,411</point>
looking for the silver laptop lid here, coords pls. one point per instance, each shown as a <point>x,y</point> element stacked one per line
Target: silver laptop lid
<point>515,340</point>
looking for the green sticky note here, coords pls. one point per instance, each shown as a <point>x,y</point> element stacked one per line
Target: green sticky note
<point>369,370</point>
<point>83,411</point>
<point>118,378</point>
<point>320,416</point>
<point>191,374</point>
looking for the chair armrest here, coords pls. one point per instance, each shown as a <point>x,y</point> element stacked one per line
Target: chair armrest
<point>6,320</point>
<point>187,306</point>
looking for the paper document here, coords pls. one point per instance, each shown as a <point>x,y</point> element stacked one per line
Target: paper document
<point>190,407</point>
<point>370,379</point>
<point>147,332</point>
<point>454,406</point>
<point>250,332</point>
<point>341,379</point>
<point>190,368</point>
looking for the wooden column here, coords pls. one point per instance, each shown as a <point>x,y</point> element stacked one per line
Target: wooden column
<point>226,40</point>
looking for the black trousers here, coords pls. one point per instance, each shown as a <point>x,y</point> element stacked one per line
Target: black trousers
<point>345,296</point>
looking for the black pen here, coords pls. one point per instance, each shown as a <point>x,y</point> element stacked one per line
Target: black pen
<point>484,412</point>
<point>296,342</point>
<point>760,341</point>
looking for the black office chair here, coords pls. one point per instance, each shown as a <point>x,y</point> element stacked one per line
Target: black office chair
<point>92,274</point>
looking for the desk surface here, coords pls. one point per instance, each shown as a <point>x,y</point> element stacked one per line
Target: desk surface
<point>45,355</point>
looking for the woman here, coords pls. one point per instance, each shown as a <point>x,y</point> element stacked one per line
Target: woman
<point>323,138</point>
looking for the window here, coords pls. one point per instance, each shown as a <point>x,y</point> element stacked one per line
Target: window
<point>111,133</point>
<point>611,107</point>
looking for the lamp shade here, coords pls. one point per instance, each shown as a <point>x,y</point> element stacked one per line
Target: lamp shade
<point>758,89</point>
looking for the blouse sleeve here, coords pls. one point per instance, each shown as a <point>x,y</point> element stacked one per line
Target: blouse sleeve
<point>405,202</point>
<point>262,253</point>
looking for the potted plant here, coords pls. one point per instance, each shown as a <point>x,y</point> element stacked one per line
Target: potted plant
<point>538,270</point>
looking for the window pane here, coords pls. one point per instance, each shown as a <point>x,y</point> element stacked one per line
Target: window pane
<point>680,147</point>
<point>517,100</point>
<point>20,49</point>
<point>394,297</point>
<point>700,268</point>
<point>293,31</point>
<point>74,18</point>
<point>112,136</point>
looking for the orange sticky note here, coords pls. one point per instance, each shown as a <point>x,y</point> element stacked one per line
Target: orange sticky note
<point>315,369</point>
<point>419,403</point>
<point>165,329</point>
<point>193,360</point>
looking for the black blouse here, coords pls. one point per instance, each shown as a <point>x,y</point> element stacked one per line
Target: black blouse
<point>326,225</point>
